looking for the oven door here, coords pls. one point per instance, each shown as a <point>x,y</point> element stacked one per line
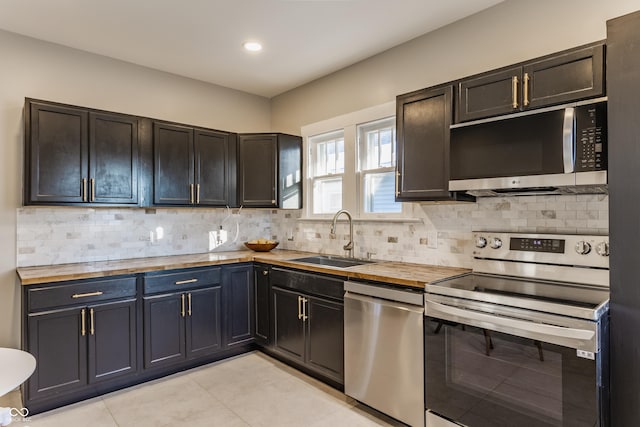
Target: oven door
<point>483,370</point>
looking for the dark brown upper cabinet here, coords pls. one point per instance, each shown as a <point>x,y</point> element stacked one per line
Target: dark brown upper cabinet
<point>423,118</point>
<point>75,155</point>
<point>567,76</point>
<point>193,166</point>
<point>270,171</point>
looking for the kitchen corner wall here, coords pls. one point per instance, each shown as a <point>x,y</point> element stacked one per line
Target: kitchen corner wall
<point>65,235</point>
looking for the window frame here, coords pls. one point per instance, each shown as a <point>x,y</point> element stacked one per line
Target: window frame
<point>352,177</point>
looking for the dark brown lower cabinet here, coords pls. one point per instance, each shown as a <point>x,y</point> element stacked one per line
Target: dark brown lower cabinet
<point>182,325</point>
<point>308,322</point>
<point>81,345</point>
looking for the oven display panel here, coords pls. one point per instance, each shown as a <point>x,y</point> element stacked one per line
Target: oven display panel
<point>555,246</point>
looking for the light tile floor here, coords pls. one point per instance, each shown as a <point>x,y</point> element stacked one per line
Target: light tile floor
<point>249,390</point>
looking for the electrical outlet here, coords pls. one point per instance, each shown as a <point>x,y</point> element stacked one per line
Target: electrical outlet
<point>432,239</point>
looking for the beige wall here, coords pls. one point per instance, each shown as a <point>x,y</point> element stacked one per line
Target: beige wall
<point>31,68</point>
<point>510,32</point>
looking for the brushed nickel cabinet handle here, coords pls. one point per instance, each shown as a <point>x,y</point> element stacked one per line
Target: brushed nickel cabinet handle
<point>304,309</point>
<point>182,310</point>
<point>88,294</point>
<point>191,196</point>
<point>184,282</point>
<point>92,196</point>
<point>189,303</point>
<point>525,87</point>
<point>83,315</point>
<point>92,328</point>
<point>197,194</point>
<point>299,307</point>
<point>397,183</point>
<point>84,189</point>
<point>514,91</point>
<point>265,273</point>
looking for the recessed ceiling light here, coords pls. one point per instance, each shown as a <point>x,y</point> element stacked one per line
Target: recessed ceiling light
<point>252,46</point>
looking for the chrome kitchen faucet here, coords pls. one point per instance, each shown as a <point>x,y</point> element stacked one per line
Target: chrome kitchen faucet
<point>348,246</point>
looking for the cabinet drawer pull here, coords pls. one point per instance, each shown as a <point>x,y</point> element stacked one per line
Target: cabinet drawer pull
<point>83,315</point>
<point>184,282</point>
<point>182,310</point>
<point>92,196</point>
<point>189,303</point>
<point>525,91</point>
<point>514,91</point>
<point>265,273</point>
<point>92,328</point>
<point>88,294</point>
<point>84,189</point>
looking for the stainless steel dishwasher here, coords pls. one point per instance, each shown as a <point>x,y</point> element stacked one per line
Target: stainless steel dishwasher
<point>383,349</point>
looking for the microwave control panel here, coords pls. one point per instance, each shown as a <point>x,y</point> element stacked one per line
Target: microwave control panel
<point>591,137</point>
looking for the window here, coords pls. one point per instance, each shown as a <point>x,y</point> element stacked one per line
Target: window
<point>377,156</point>
<point>326,167</point>
<point>351,162</point>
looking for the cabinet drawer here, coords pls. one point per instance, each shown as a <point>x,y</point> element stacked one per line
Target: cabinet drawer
<point>177,281</point>
<point>314,284</point>
<point>83,292</point>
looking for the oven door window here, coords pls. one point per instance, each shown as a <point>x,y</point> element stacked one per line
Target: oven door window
<point>480,378</point>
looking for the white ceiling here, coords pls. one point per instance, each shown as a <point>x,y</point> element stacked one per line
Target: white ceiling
<point>202,39</point>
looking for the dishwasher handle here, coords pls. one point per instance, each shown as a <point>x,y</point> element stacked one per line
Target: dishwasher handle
<point>386,303</point>
<point>385,292</point>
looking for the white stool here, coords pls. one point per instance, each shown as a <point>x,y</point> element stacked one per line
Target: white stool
<point>15,367</point>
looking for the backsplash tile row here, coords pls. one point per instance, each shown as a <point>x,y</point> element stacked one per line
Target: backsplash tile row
<point>437,234</point>
<point>451,225</point>
<point>67,235</point>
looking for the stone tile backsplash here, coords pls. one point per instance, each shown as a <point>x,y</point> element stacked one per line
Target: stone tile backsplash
<point>437,234</point>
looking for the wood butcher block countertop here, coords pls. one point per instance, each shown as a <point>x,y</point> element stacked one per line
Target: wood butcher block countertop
<point>399,273</point>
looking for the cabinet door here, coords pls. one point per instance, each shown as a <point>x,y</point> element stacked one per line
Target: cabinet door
<point>423,120</point>
<point>564,78</point>
<point>57,154</point>
<point>58,341</point>
<point>164,325</point>
<point>212,168</point>
<point>173,165</point>
<point>204,318</point>
<point>325,339</point>
<point>239,302</point>
<point>288,328</point>
<point>111,328</point>
<point>258,168</point>
<point>290,172</point>
<point>490,94</point>
<point>113,158</point>
<point>262,306</point>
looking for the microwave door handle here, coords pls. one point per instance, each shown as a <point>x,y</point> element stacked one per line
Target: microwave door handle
<point>568,138</point>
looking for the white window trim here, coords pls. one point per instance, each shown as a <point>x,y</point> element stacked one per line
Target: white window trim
<point>351,178</point>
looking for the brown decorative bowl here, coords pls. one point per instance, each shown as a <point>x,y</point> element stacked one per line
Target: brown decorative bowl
<point>261,247</point>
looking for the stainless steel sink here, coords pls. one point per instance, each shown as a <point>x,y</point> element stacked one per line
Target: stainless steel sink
<point>332,261</point>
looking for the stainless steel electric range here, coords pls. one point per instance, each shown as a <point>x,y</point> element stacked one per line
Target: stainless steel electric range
<point>523,339</point>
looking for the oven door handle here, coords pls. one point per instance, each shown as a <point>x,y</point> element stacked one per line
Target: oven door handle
<point>580,339</point>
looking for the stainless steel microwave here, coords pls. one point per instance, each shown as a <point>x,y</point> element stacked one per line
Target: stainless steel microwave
<point>554,150</point>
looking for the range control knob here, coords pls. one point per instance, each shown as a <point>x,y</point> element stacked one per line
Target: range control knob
<point>496,243</point>
<point>603,249</point>
<point>583,247</point>
<point>481,242</point>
